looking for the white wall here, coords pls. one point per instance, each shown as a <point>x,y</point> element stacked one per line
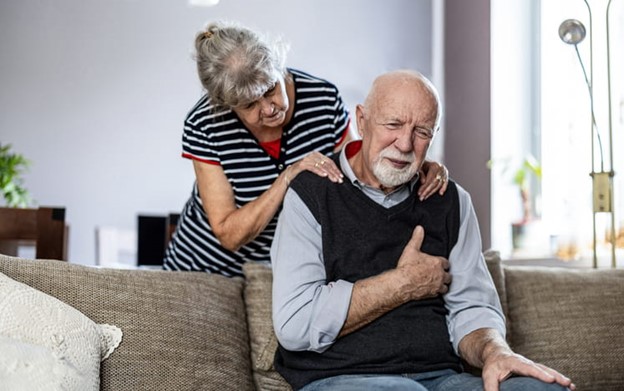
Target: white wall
<point>94,93</point>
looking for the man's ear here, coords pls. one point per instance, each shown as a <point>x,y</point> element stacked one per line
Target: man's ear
<point>359,118</point>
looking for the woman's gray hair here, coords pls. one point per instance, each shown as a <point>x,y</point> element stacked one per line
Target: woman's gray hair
<point>236,65</point>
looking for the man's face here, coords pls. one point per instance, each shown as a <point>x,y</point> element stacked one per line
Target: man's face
<point>397,128</point>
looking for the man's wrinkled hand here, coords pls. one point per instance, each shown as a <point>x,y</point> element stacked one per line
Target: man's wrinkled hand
<point>423,275</point>
<point>500,366</point>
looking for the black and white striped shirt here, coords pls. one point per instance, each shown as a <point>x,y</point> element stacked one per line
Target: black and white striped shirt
<point>320,121</point>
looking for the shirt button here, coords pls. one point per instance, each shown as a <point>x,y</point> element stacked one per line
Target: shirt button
<point>280,166</point>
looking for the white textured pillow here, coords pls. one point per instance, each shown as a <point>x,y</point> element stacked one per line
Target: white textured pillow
<point>47,342</point>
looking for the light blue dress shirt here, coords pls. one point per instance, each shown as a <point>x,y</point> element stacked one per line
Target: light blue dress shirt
<point>309,311</point>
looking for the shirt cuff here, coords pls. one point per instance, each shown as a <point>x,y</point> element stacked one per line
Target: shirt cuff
<point>473,319</point>
<point>334,306</point>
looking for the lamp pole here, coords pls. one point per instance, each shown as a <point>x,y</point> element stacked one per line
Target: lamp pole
<point>572,31</point>
<point>611,172</point>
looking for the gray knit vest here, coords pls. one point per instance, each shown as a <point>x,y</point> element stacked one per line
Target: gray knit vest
<point>361,239</point>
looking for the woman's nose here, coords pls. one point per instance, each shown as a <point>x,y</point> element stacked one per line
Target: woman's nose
<point>266,106</point>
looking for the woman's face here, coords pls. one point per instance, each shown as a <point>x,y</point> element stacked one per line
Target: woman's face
<point>268,111</point>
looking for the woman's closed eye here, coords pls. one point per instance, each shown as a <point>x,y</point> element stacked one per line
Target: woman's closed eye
<point>268,93</point>
<point>271,90</point>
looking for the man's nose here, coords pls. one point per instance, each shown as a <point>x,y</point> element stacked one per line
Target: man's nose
<point>404,141</point>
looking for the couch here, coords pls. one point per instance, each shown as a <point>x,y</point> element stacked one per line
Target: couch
<point>195,331</point>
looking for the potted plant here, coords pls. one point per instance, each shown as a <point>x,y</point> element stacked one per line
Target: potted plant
<point>520,176</point>
<point>529,166</point>
<point>12,167</point>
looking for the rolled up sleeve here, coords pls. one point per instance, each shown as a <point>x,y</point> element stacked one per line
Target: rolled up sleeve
<point>472,301</point>
<point>308,311</point>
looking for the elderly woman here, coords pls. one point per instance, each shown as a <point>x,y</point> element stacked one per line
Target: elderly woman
<point>258,126</point>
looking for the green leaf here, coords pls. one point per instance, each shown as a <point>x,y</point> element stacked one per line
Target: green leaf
<point>12,166</point>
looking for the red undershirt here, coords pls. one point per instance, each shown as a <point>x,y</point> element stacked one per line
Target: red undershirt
<point>272,147</point>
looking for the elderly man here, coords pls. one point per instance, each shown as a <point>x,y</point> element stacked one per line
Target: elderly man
<point>375,289</point>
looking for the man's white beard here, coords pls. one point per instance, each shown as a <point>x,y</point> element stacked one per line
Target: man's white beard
<point>388,175</point>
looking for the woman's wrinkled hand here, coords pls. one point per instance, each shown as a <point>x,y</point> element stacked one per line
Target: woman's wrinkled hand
<point>318,164</point>
<point>433,178</point>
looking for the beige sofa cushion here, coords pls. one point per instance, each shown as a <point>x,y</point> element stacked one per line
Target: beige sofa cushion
<point>181,330</point>
<point>47,344</point>
<point>588,345</point>
<point>497,272</point>
<point>494,265</point>
<point>258,280</point>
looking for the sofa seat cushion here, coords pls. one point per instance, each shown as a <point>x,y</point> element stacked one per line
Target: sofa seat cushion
<point>571,320</point>
<point>181,330</point>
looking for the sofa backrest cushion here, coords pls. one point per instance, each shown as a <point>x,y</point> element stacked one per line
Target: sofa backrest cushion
<point>571,320</point>
<point>258,280</point>
<point>181,330</point>
<point>497,271</point>
<point>494,265</point>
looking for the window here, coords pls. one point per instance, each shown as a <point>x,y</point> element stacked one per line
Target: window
<point>541,108</point>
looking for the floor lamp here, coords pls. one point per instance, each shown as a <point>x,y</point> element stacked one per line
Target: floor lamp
<point>572,32</point>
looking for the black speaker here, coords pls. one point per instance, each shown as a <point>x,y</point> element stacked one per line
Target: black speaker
<point>152,238</point>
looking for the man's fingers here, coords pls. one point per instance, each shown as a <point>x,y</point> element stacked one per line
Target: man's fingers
<point>559,378</point>
<point>490,383</point>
